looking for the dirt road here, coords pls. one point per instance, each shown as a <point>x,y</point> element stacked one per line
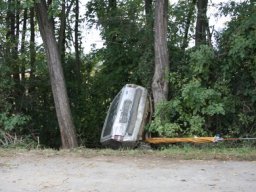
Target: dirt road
<point>30,172</point>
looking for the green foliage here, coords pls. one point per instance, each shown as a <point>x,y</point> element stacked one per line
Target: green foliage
<point>124,33</point>
<point>195,101</point>
<point>88,97</point>
<point>180,13</point>
<point>189,111</point>
<point>237,47</point>
<point>201,61</point>
<point>9,122</point>
<point>213,91</point>
<point>28,3</point>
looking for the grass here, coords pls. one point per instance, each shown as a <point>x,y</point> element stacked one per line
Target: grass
<point>210,153</point>
<point>219,151</point>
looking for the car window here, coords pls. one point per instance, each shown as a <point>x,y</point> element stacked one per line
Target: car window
<point>134,111</point>
<point>112,115</point>
<point>125,111</point>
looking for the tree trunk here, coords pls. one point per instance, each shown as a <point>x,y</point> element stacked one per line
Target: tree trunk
<point>188,23</point>
<point>51,18</point>
<point>67,129</point>
<point>12,36</point>
<point>23,40</point>
<point>62,32</point>
<point>209,33</point>
<point>10,32</point>
<point>201,22</point>
<point>32,43</point>
<point>77,46</point>
<point>65,10</point>
<point>160,81</point>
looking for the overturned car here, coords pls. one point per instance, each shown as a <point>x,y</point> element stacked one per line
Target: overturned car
<point>127,115</point>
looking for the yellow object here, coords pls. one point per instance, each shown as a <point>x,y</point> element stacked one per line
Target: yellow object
<point>180,140</point>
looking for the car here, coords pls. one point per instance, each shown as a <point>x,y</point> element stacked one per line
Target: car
<point>127,115</point>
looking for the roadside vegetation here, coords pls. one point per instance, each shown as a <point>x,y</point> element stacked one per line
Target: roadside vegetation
<point>238,151</point>
<point>211,77</point>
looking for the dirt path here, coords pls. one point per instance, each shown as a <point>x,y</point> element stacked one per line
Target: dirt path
<point>28,172</point>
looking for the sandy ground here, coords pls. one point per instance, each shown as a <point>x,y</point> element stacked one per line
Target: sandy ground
<point>28,172</point>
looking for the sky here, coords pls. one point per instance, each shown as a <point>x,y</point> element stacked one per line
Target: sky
<point>92,36</point>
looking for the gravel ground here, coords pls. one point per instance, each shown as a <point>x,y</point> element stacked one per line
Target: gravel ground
<point>26,172</point>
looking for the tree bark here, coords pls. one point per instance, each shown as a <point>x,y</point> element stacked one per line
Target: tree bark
<point>62,31</point>
<point>160,81</point>
<point>32,43</point>
<point>67,128</point>
<point>201,22</point>
<point>77,45</point>
<point>12,36</point>
<point>23,38</point>
<point>65,10</point>
<point>51,19</point>
<point>188,23</point>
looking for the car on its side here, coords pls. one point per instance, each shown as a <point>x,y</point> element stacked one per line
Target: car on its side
<point>126,118</point>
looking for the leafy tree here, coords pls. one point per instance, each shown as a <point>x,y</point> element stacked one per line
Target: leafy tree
<point>12,118</point>
<point>196,104</point>
<point>237,52</point>
<point>122,25</point>
<point>212,89</point>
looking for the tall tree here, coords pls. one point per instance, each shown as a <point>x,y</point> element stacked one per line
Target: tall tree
<point>160,81</point>
<point>202,26</point>
<point>77,44</point>
<point>188,23</point>
<point>23,39</point>
<point>12,36</point>
<point>67,128</point>
<point>62,34</point>
<point>32,43</point>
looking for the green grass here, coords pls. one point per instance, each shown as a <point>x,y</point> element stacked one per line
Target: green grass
<point>219,151</point>
<point>210,153</point>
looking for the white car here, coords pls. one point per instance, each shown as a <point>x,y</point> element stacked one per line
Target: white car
<point>127,115</point>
